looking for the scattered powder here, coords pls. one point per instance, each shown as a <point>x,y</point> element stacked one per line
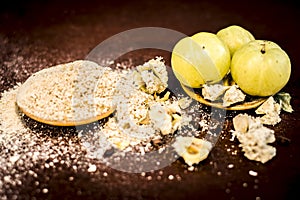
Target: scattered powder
<point>28,147</point>
<point>23,147</point>
<point>143,174</point>
<point>134,127</point>
<point>191,168</point>
<point>10,120</point>
<point>45,190</point>
<point>227,190</point>
<point>25,143</point>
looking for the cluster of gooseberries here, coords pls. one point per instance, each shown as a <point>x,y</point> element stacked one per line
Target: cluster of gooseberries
<point>258,67</point>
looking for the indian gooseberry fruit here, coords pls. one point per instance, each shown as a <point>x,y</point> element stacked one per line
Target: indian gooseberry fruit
<point>199,59</point>
<point>260,68</point>
<point>234,37</point>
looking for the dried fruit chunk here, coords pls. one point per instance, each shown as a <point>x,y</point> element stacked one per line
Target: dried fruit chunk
<point>192,150</point>
<point>152,76</point>
<point>270,110</point>
<point>233,95</point>
<point>269,106</point>
<point>241,123</point>
<point>213,92</point>
<point>255,141</point>
<point>161,119</point>
<point>285,101</point>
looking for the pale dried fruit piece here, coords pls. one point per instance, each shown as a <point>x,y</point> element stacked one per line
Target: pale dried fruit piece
<point>269,106</point>
<point>119,142</point>
<point>241,123</point>
<point>161,119</point>
<point>233,95</point>
<point>192,150</point>
<point>270,119</point>
<point>259,153</point>
<point>152,76</point>
<point>255,141</point>
<point>177,119</point>
<point>165,118</point>
<point>213,92</point>
<point>285,101</point>
<point>271,110</point>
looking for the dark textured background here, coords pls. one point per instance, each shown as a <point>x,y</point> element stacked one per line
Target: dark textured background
<point>37,34</point>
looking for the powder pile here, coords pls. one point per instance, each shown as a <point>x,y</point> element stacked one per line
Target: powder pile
<point>69,92</point>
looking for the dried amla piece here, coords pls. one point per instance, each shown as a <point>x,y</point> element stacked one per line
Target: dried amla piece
<point>241,123</point>
<point>152,76</point>
<point>285,101</point>
<point>161,119</point>
<point>254,138</point>
<point>233,95</point>
<point>269,106</point>
<point>69,94</point>
<point>213,92</point>
<point>270,111</point>
<point>192,150</point>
